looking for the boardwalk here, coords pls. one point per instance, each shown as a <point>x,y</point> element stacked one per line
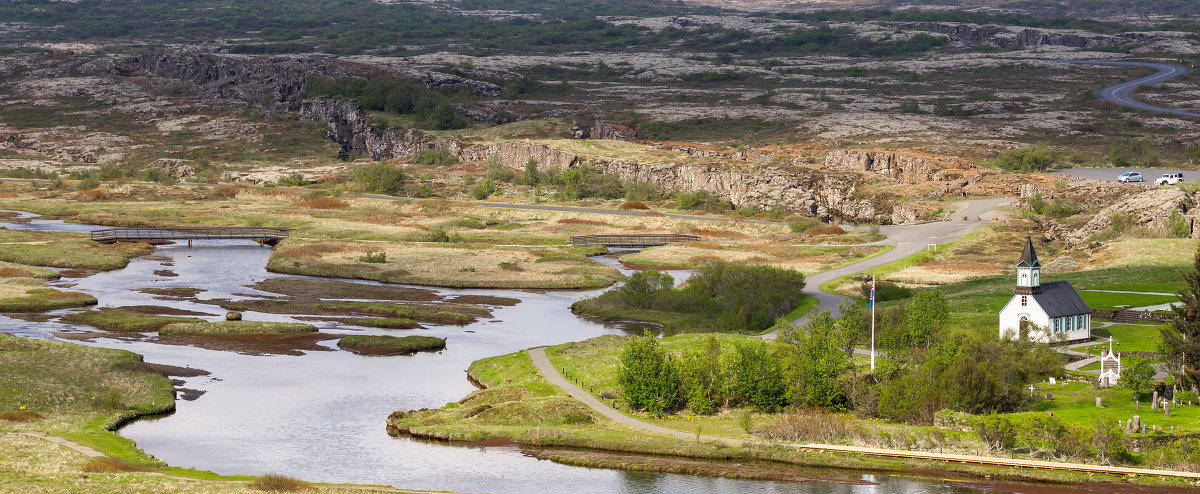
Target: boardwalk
<point>267,235</point>
<point>552,375</point>
<point>632,241</point>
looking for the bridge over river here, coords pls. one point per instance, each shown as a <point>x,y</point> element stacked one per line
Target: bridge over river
<point>632,241</point>
<point>263,235</point>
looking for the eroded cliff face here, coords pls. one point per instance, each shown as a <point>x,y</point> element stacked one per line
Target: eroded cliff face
<point>276,84</point>
<point>834,192</point>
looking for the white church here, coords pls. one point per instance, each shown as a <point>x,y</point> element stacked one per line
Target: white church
<point>1051,311</point>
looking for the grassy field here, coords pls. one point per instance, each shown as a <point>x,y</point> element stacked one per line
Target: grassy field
<point>1105,300</point>
<point>66,250</point>
<point>1076,402</point>
<point>33,295</point>
<point>518,405</point>
<point>1131,337</point>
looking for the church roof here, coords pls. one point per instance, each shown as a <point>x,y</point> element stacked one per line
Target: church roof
<point>1028,256</point>
<point>1059,298</point>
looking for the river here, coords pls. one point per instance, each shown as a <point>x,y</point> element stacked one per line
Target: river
<point>320,416</point>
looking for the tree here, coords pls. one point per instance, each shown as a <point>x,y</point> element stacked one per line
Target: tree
<point>1180,345</point>
<point>1137,374</point>
<point>928,312</point>
<point>818,359</point>
<point>649,377</point>
<point>703,378</point>
<point>641,287</point>
<point>758,377</point>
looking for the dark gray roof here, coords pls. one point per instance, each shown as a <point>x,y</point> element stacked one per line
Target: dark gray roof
<point>1028,256</point>
<point>1059,298</point>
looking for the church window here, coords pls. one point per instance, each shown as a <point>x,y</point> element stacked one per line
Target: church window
<point>1057,324</point>
<point>1024,300</point>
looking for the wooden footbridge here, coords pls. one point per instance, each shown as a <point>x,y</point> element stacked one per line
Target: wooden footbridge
<point>632,241</point>
<point>263,235</point>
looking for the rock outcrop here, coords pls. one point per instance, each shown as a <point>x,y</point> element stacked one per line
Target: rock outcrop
<point>1006,36</point>
<point>1150,209</point>
<point>276,84</point>
<point>605,129</point>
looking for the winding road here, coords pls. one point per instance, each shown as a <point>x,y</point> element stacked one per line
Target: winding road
<point>1122,94</point>
<point>908,240</point>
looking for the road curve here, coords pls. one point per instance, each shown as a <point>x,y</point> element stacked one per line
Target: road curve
<point>1122,94</point>
<point>552,375</point>
<point>908,240</point>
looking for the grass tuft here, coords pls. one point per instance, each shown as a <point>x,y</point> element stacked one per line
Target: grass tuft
<point>20,416</point>
<point>273,482</point>
<point>109,465</point>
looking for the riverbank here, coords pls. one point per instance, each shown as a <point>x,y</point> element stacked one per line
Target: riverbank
<point>513,387</point>
<point>76,396</point>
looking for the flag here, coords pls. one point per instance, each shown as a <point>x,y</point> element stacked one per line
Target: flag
<point>872,293</point>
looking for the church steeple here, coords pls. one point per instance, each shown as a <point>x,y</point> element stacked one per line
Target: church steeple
<point>1029,271</point>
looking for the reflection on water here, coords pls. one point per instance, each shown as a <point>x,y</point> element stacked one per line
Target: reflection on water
<point>320,416</point>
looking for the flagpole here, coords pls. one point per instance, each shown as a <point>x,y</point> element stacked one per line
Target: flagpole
<point>872,323</point>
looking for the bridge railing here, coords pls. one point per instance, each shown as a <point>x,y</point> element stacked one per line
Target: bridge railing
<point>648,240</point>
<point>201,233</point>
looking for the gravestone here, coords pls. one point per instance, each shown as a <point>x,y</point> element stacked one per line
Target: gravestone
<point>1136,423</point>
<point>1143,428</point>
<point>1166,408</point>
<point>1099,404</point>
<point>1049,396</point>
<point>1052,381</point>
<point>1154,401</point>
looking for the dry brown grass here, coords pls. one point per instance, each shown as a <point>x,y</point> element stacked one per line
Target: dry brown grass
<point>578,221</point>
<point>108,465</point>
<point>322,202</point>
<point>627,205</point>
<point>226,191</point>
<point>20,416</point>
<point>90,195</point>
<point>273,482</point>
<point>15,273</point>
<point>702,259</point>
<point>825,230</point>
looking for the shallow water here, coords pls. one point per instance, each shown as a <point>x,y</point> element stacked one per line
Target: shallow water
<point>320,416</point>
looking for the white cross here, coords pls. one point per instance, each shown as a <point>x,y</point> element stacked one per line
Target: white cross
<point>1031,388</point>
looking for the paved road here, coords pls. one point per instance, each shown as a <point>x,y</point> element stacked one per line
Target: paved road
<point>1122,94</point>
<point>1110,174</point>
<point>908,240</point>
<point>552,375</point>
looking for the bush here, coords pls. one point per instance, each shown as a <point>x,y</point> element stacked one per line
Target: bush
<point>799,224</point>
<point>293,180</point>
<point>628,205</point>
<point>1187,397</point>
<point>996,431</point>
<point>1178,226</point>
<point>1139,152</point>
<point>379,178</point>
<point>701,200</point>
<point>910,106</point>
<point>884,291</point>
<point>374,257</point>
<point>435,157</point>
<point>1035,158</point>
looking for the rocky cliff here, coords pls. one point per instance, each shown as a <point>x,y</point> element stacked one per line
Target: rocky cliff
<point>277,84</point>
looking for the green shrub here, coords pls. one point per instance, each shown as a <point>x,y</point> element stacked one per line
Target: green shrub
<point>1035,158</point>
<point>910,106</point>
<point>799,224</point>
<point>379,178</point>
<point>1179,226</point>
<point>435,157</point>
<point>374,257</point>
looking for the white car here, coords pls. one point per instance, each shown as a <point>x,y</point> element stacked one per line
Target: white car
<point>1131,177</point>
<point>1169,179</point>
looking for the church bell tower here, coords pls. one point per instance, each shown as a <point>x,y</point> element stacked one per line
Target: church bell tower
<point>1029,271</point>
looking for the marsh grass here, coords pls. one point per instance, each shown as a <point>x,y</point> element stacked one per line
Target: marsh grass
<point>21,416</point>
<point>109,465</point>
<point>125,319</point>
<point>66,250</point>
<point>273,482</point>
<point>236,327</point>
<point>390,345</point>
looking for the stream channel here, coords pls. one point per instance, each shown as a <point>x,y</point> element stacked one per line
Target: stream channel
<point>320,416</point>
